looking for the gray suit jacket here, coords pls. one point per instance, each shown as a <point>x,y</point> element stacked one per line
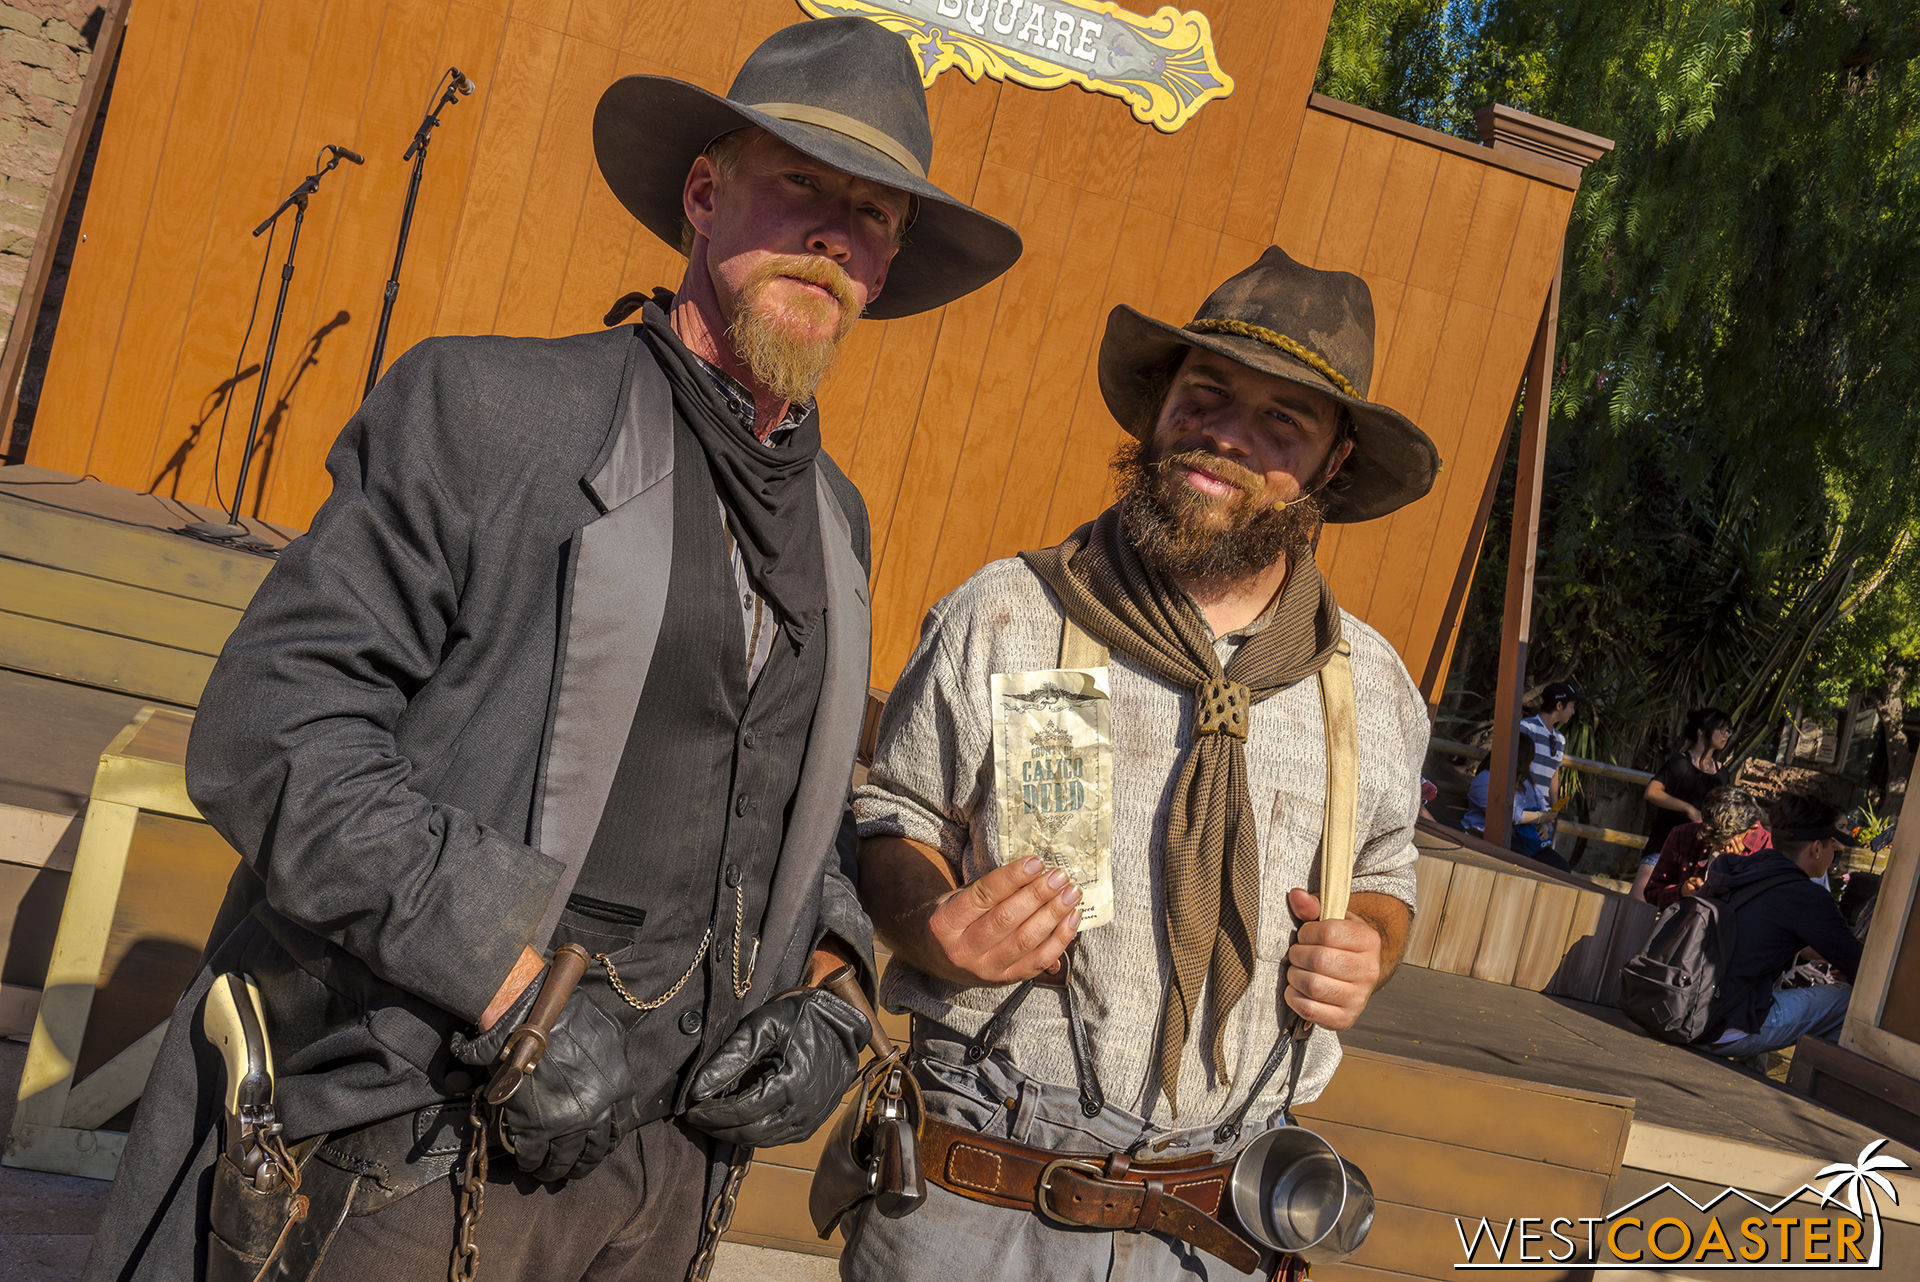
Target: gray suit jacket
<point>412,733</point>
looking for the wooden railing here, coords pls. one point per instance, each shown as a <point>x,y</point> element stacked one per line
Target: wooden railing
<point>1604,769</point>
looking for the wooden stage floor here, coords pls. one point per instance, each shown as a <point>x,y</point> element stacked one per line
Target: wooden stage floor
<point>1458,1022</point>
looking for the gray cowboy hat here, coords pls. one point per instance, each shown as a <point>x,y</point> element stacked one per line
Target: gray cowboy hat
<point>845,91</point>
<point>1310,327</point>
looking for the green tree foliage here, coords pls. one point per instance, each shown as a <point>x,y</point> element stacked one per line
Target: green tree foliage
<point>1730,512</point>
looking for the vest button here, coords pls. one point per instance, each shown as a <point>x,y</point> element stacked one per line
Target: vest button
<point>741,803</point>
<point>750,739</point>
<point>733,875</point>
<point>690,1022</point>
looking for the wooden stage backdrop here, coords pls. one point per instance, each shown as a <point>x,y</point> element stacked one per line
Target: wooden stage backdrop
<point>973,431</point>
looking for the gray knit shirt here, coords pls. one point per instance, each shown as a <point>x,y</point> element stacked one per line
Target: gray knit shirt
<point>932,781</point>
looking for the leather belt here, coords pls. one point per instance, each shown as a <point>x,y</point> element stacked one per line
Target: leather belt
<point>1096,1190</point>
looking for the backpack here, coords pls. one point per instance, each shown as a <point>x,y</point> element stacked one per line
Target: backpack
<point>1672,987</point>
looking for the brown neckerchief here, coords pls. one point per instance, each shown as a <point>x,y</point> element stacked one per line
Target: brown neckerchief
<point>1213,852</point>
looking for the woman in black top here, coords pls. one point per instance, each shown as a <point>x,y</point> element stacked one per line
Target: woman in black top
<point>1679,787</point>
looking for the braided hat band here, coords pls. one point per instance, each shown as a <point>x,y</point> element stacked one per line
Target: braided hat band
<point>1280,342</point>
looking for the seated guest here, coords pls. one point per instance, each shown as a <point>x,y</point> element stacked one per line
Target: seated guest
<point>1532,814</point>
<point>1772,928</point>
<point>1729,824</point>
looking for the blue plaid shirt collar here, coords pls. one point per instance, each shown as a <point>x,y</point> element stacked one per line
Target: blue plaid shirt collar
<point>740,401</point>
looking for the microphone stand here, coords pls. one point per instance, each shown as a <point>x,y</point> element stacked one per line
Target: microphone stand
<point>417,153</point>
<point>231,531</point>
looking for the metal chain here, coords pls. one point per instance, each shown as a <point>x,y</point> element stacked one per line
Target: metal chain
<point>720,1216</point>
<point>741,983</point>
<point>613,977</point>
<point>473,1194</point>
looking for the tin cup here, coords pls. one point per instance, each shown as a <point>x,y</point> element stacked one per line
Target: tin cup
<point>1294,1193</point>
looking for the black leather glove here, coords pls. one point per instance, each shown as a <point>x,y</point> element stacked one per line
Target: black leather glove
<point>781,1073</point>
<point>572,1110</point>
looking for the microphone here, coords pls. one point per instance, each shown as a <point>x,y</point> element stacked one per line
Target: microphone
<point>344,154</point>
<point>460,82</point>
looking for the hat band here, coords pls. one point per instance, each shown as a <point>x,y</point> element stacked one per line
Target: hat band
<point>802,114</point>
<point>1298,350</point>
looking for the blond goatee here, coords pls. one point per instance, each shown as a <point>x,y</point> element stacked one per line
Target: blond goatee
<point>784,362</point>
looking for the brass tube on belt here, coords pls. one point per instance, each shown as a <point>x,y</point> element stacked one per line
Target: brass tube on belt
<point>528,1043</point>
<point>844,983</point>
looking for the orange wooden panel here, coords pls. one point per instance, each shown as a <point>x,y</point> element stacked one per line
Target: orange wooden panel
<point>1414,554</point>
<point>893,406</point>
<point>912,534</point>
<point>1006,374</point>
<point>1081,488</point>
<point>338,77</point>
<point>474,40</point>
<point>551,14</point>
<point>1113,153</point>
<point>1292,54</point>
<point>1303,210</point>
<point>1502,362</point>
<point>1356,201</point>
<point>1063,153</point>
<point>150,72</point>
<point>1072,333</point>
<point>600,21</point>
<point>1536,250</point>
<point>181,465</point>
<point>1489,246</point>
<point>1018,118</point>
<point>502,177</point>
<point>1403,206</point>
<point>563,166</point>
<point>1443,233</point>
<point>1220,137</point>
<point>173,241</point>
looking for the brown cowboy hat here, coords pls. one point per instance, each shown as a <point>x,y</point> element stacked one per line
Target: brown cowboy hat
<point>1307,326</point>
<point>845,91</point>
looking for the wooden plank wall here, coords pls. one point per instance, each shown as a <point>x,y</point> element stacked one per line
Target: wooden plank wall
<point>1508,923</point>
<point>973,432</point>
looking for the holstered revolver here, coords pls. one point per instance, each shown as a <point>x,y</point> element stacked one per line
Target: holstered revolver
<point>234,1021</point>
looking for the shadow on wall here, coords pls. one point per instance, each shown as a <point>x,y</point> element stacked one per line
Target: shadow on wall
<point>221,398</point>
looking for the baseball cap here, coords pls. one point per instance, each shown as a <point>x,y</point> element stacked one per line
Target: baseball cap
<point>1559,692</point>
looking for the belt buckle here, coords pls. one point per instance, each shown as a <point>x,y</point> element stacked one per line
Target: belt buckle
<point>1043,1190</point>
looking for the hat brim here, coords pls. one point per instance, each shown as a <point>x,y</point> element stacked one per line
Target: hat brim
<point>1393,462</point>
<point>648,130</point>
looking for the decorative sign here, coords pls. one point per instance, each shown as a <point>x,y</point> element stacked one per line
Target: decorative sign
<point>1163,66</point>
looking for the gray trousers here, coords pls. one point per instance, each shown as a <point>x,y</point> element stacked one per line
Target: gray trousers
<point>635,1218</point>
<point>956,1237</point>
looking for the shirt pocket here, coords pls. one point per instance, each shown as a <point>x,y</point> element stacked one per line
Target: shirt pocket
<point>1290,856</point>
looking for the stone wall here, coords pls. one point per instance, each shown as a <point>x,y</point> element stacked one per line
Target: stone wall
<point>45,49</point>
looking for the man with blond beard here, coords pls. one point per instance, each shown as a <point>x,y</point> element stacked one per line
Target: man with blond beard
<point>1082,1131</point>
<point>576,653</point>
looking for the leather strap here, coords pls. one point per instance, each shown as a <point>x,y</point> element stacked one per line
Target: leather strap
<point>1103,1191</point>
<point>1339,829</point>
<point>1078,649</point>
<point>858,130</point>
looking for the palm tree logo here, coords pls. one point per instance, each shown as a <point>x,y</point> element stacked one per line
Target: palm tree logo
<point>1862,1175</point>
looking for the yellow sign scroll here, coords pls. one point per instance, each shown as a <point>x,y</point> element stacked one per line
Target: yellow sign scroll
<point>1163,66</point>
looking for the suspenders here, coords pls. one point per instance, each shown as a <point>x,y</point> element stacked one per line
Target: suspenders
<point>1338,833</point>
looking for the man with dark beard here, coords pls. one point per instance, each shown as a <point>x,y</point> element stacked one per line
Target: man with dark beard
<point>576,653</point>
<point>1252,724</point>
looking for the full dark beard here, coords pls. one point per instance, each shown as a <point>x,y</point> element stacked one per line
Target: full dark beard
<point>1162,517</point>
